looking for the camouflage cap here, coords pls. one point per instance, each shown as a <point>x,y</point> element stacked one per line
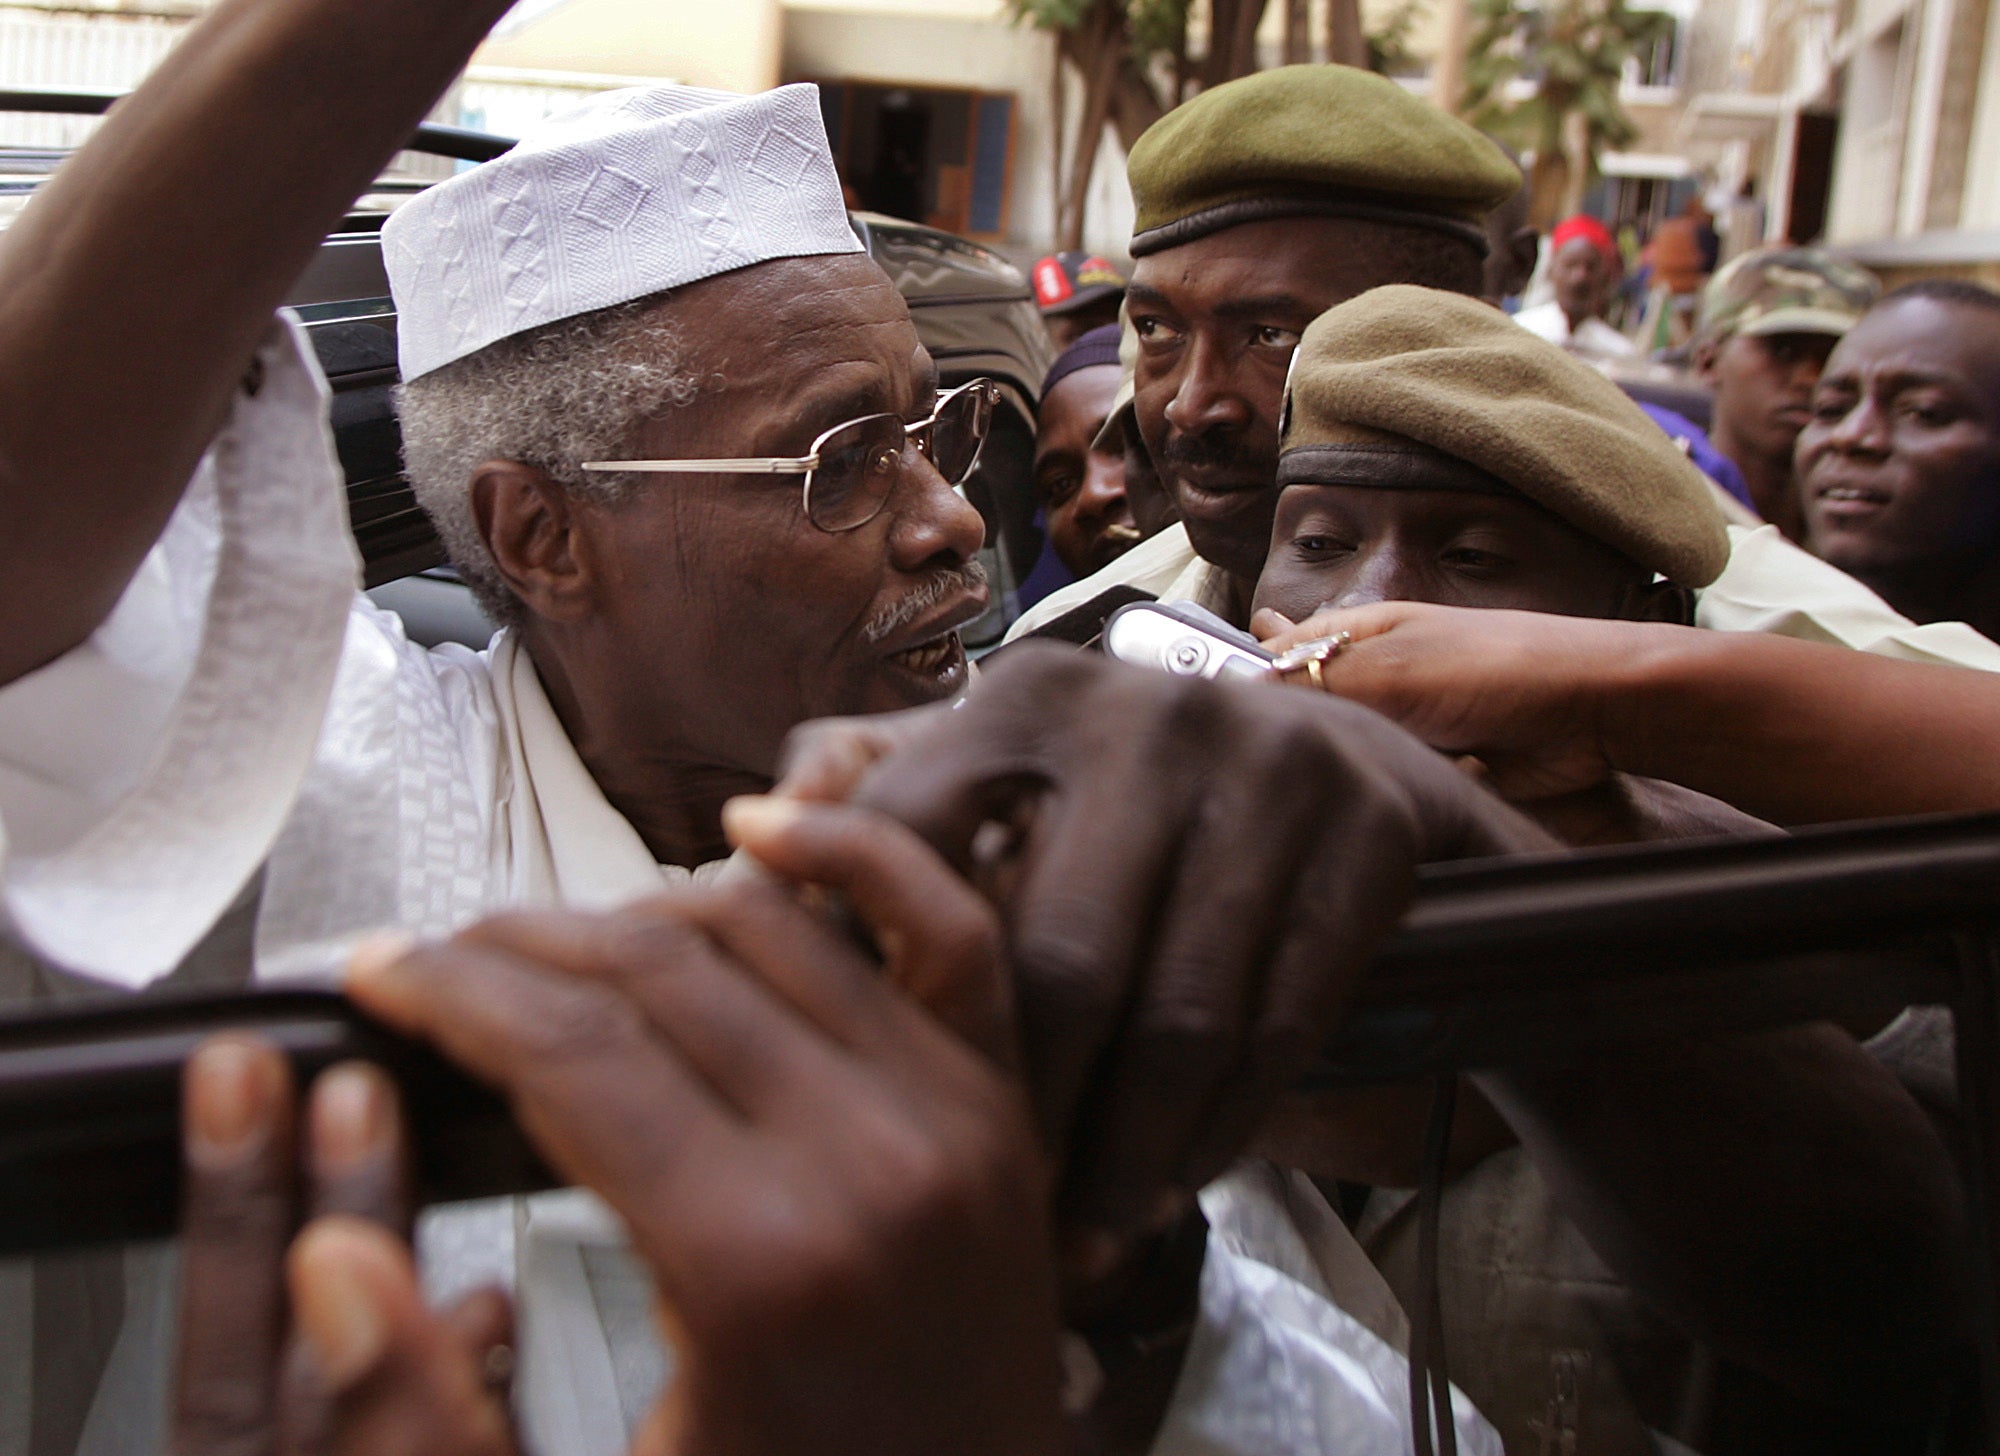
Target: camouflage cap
<point>1785,291</point>
<point>1329,141</point>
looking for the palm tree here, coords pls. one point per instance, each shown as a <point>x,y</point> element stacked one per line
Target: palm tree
<point>1575,52</point>
<point>1134,62</point>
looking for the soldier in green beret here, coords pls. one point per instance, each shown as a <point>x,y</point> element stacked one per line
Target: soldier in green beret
<point>1431,453</point>
<point>1266,201</point>
<point>1261,204</point>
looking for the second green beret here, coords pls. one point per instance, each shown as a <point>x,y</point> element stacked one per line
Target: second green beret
<point>1325,140</point>
<point>1403,369</point>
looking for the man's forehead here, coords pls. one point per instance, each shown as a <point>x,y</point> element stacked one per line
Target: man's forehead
<point>1947,345</point>
<point>793,319</point>
<point>1311,263</point>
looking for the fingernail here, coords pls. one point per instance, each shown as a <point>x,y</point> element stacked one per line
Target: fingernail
<point>758,816</point>
<point>376,952</point>
<point>350,1118</point>
<point>338,1316</point>
<point>230,1092</point>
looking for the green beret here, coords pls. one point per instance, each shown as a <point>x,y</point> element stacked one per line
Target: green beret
<point>1331,141</point>
<point>1385,384</point>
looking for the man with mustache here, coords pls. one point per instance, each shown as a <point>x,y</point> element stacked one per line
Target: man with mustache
<point>1261,204</point>
<point>662,276</point>
<point>1899,464</point>
<point>683,442</point>
<point>1266,201</point>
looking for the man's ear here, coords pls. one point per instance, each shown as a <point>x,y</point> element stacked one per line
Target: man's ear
<point>1702,360</point>
<point>1662,601</point>
<point>529,524</point>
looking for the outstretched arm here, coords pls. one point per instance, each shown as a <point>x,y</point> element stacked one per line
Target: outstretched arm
<point>1791,731</point>
<point>135,286</point>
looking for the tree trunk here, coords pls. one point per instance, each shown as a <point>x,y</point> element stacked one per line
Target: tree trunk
<point>1580,163</point>
<point>1548,186</point>
<point>1183,68</point>
<point>1232,40</point>
<point>1057,107</point>
<point>1136,104</point>
<point>1448,72</point>
<point>1298,32</point>
<point>1243,50</point>
<point>1104,47</point>
<point>1345,44</point>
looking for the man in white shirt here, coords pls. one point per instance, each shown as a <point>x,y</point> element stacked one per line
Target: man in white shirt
<point>1583,269</point>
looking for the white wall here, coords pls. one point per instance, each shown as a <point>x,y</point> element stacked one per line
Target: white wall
<point>1868,160</point>
<point>883,44</point>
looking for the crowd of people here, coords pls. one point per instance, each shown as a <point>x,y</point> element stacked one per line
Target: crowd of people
<point>928,1036</point>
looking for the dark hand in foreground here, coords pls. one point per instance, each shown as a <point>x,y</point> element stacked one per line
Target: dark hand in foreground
<point>841,1200</point>
<point>1196,875</point>
<point>320,1343</point>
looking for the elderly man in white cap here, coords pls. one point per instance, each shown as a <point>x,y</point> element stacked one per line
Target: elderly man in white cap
<point>664,276</point>
<point>684,442</point>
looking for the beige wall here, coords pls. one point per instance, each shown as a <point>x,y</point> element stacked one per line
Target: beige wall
<point>1981,207</point>
<point>729,44</point>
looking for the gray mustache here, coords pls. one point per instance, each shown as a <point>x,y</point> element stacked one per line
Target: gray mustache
<point>949,581</point>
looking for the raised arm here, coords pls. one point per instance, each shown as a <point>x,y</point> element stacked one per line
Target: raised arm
<point>1787,730</point>
<point>134,287</point>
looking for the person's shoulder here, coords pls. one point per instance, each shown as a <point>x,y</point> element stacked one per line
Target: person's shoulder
<point>1772,585</point>
<point>450,677</point>
<point>1152,567</point>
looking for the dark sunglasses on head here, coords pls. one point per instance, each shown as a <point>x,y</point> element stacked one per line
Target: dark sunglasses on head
<point>852,467</point>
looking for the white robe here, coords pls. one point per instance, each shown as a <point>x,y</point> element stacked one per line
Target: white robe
<point>244,707</point>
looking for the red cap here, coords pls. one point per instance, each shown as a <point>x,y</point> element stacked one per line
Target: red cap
<point>1591,231</point>
<point>1064,281</point>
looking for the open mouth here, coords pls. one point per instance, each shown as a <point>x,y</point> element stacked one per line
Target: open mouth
<point>1853,495</point>
<point>1847,505</point>
<point>941,658</point>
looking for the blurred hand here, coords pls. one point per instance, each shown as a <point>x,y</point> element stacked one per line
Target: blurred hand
<point>321,1343</point>
<point>1196,874</point>
<point>1520,691</point>
<point>840,1199</point>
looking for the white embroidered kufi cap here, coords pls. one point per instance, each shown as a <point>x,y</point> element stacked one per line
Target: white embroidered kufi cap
<point>633,192</point>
